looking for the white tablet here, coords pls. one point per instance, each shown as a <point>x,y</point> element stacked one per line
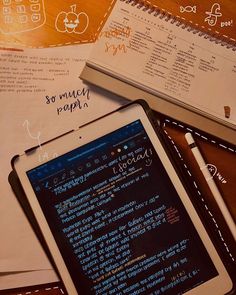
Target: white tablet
<point>115,215</point>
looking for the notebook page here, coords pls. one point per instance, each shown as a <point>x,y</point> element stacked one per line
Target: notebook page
<point>155,54</point>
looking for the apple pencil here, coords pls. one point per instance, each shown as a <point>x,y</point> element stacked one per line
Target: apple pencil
<point>211,183</point>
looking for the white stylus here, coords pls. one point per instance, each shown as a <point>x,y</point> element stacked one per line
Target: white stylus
<point>211,183</point>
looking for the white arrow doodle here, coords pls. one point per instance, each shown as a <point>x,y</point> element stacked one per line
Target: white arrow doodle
<point>26,125</point>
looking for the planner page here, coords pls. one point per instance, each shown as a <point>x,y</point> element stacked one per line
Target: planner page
<point>142,47</point>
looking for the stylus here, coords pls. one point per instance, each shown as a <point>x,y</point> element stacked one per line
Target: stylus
<point>211,183</point>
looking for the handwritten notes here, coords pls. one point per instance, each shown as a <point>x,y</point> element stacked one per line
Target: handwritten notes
<point>24,73</point>
<point>184,68</point>
<point>115,39</point>
<point>76,100</point>
<point>129,159</point>
<point>42,97</point>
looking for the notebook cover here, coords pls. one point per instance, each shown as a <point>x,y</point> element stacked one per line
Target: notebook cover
<point>221,159</point>
<point>19,24</point>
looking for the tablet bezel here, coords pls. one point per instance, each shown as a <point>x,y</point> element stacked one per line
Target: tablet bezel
<point>220,284</point>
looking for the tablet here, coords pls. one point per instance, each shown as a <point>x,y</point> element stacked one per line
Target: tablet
<point>115,214</point>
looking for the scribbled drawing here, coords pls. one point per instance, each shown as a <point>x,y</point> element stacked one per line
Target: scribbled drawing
<point>214,173</point>
<point>148,162</point>
<point>44,156</point>
<point>227,111</point>
<point>212,169</point>
<point>188,8</point>
<point>20,17</point>
<point>213,15</point>
<point>35,137</point>
<point>72,22</point>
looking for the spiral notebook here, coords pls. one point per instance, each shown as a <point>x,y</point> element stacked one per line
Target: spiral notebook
<point>180,71</point>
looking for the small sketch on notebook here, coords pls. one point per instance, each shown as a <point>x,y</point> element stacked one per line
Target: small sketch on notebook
<point>214,173</point>
<point>188,8</point>
<point>72,22</point>
<point>22,16</point>
<point>213,15</point>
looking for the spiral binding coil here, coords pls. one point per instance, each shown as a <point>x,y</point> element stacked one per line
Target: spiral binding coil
<point>166,16</point>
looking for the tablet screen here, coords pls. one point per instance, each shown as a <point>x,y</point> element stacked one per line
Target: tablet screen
<point>118,220</point>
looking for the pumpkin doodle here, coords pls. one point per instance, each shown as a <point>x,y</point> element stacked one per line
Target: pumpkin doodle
<point>72,22</point>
